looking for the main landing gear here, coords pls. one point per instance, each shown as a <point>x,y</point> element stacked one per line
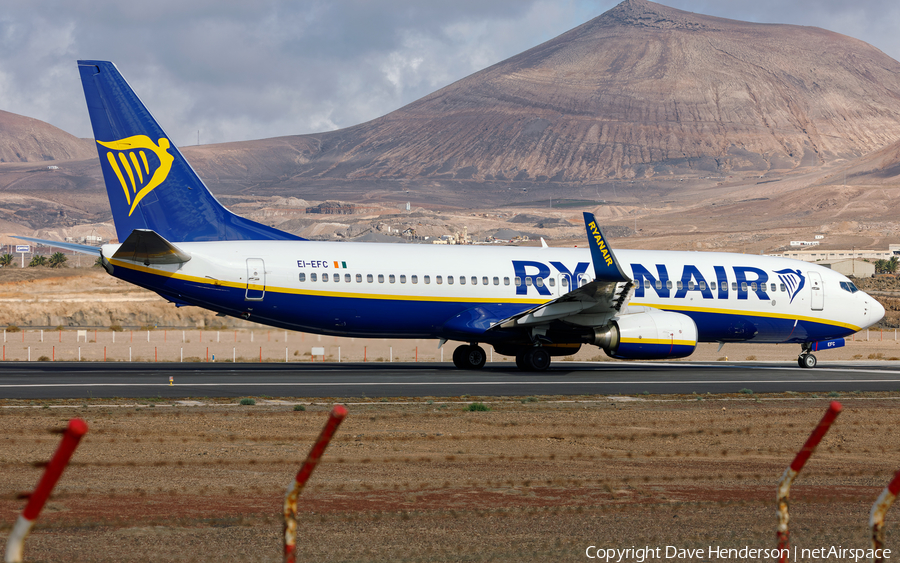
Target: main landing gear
<point>469,356</point>
<point>806,359</point>
<point>533,359</point>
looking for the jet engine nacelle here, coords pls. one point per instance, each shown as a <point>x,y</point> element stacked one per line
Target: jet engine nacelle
<point>648,335</point>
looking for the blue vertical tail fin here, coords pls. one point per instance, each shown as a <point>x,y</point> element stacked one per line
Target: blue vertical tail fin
<point>149,183</point>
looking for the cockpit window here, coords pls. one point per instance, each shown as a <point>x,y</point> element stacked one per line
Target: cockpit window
<point>848,286</point>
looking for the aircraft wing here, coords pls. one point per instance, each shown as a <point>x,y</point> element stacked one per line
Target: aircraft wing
<point>600,298</point>
<point>83,248</point>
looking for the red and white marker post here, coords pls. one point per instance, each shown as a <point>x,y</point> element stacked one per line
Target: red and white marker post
<point>784,485</point>
<point>15,544</point>
<point>290,499</point>
<point>876,516</point>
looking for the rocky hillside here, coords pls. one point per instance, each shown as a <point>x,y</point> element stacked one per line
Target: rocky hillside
<point>23,139</point>
<point>641,90</point>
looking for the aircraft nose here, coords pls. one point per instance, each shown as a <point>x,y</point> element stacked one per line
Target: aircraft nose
<point>874,310</point>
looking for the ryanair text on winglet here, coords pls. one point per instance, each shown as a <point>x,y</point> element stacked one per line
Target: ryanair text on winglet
<point>601,244</point>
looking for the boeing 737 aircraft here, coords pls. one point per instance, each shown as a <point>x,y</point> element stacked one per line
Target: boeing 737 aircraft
<point>531,303</point>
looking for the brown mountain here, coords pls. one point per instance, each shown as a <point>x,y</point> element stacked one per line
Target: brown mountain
<point>641,90</point>
<point>23,139</point>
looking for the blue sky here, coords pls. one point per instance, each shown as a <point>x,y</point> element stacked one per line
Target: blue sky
<point>236,70</point>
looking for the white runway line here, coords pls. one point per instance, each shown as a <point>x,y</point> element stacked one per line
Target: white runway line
<point>439,383</point>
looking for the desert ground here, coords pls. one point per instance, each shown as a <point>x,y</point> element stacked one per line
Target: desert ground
<point>531,479</point>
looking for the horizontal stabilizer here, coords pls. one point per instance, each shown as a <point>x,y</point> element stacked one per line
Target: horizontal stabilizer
<point>147,247</point>
<point>83,248</point>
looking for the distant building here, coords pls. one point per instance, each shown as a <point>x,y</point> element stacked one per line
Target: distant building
<point>855,268</point>
<point>804,243</point>
<point>816,255</point>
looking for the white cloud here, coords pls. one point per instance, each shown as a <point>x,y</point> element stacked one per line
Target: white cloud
<point>237,70</point>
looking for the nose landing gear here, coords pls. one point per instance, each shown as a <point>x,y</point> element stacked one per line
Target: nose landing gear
<point>806,359</point>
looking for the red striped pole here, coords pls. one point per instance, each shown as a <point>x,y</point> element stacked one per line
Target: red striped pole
<point>338,413</point>
<point>784,485</point>
<point>876,517</point>
<point>15,544</point>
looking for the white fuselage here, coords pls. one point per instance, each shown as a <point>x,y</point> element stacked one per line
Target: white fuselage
<point>400,290</point>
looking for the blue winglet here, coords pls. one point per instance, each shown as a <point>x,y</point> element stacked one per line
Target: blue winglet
<point>606,267</point>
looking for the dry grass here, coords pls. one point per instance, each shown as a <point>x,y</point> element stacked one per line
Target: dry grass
<point>531,480</point>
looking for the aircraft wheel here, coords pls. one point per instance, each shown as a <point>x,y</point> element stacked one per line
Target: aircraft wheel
<point>522,362</point>
<point>807,361</point>
<point>469,357</point>
<point>459,356</point>
<point>538,358</point>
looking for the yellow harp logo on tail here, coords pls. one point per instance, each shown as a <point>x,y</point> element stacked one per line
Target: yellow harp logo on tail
<point>128,159</point>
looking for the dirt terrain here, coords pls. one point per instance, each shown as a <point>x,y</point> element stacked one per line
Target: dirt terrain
<point>533,479</point>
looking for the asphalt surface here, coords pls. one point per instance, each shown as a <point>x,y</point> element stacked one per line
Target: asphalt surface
<point>71,380</point>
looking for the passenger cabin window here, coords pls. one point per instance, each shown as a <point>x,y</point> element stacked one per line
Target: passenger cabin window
<point>449,280</point>
<point>380,278</point>
<point>658,284</point>
<point>702,286</point>
<point>462,280</point>
<point>427,279</point>
<point>669,284</point>
<point>743,286</point>
<point>528,282</point>
<point>402,278</point>
<point>506,281</point>
<point>302,277</point>
<point>347,278</point>
<point>518,281</point>
<point>358,278</point>
<point>475,281</point>
<point>324,277</point>
<point>734,286</point>
<point>312,277</point>
<point>414,278</point>
<point>484,280</point>
<point>539,281</point>
<point>497,280</point>
<point>564,281</point>
<point>753,286</point>
<point>369,278</point>
<point>783,288</point>
<point>438,280</point>
<point>391,278</point>
<point>712,285</point>
<point>772,287</point>
<point>552,282</point>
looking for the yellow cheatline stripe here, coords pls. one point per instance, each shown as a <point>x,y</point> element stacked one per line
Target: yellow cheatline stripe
<point>137,167</point>
<point>127,168</point>
<point>115,166</point>
<point>715,311</point>
<point>146,164</point>
<point>317,293</point>
<point>660,341</point>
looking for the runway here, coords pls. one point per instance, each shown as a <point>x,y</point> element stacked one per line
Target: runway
<point>72,380</point>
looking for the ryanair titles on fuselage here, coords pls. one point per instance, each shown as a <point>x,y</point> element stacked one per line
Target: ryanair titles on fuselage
<point>744,280</point>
